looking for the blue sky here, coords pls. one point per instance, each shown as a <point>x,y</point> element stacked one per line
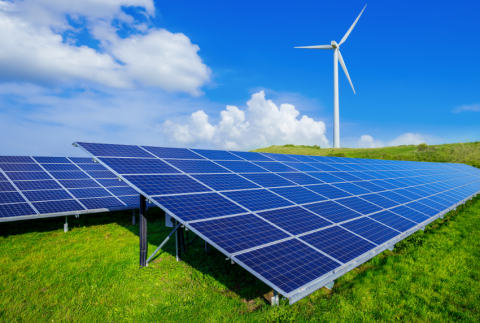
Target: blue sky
<point>137,71</point>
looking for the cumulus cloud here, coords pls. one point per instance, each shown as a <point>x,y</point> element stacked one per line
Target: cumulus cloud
<point>408,139</point>
<point>367,141</point>
<point>39,46</point>
<point>471,107</point>
<point>262,124</point>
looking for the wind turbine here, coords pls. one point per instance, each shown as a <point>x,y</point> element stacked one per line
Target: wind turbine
<point>336,57</point>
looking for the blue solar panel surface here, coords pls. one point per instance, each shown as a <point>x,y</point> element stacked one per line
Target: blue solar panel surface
<point>292,220</point>
<point>38,186</point>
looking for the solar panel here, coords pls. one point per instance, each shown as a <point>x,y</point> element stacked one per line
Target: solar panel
<point>295,222</point>
<point>34,187</point>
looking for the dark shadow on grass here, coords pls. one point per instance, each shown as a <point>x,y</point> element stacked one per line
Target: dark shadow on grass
<point>235,278</point>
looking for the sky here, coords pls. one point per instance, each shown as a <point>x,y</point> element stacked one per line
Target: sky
<point>225,75</point>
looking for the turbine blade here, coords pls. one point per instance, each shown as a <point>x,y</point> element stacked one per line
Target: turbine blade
<point>351,28</point>
<point>317,47</point>
<point>340,58</point>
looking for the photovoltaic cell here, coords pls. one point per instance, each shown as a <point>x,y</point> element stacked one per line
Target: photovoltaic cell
<point>180,153</point>
<point>301,167</point>
<point>109,150</point>
<point>256,200</point>
<point>241,166</point>
<point>323,167</point>
<point>82,160</point>
<point>224,182</point>
<point>392,220</point>
<point>16,159</point>
<point>279,157</point>
<point>298,195</point>
<point>295,220</point>
<point>328,191</point>
<point>410,214</point>
<point>422,208</point>
<point>351,188</point>
<point>79,183</point>
<point>21,168</point>
<point>339,243</point>
<point>18,209</point>
<point>95,166</point>
<point>379,200</point>
<point>57,206</point>
<point>166,184</point>
<point>251,156</point>
<point>300,178</point>
<point>37,185</point>
<point>268,180</point>
<point>370,186</point>
<point>130,200</point>
<point>108,182</point>
<point>332,211</point>
<point>11,197</point>
<point>199,206</point>
<point>275,167</point>
<point>99,203</point>
<point>28,176</point>
<point>6,187</point>
<point>69,175</point>
<point>101,174</point>
<point>55,160</point>
<point>371,230</point>
<point>60,167</point>
<point>119,191</point>
<point>288,265</point>
<point>302,158</point>
<point>89,192</point>
<point>197,166</point>
<point>47,195</point>
<point>216,154</point>
<point>239,233</point>
<point>136,166</point>
<point>359,205</point>
<point>327,177</point>
<point>346,176</point>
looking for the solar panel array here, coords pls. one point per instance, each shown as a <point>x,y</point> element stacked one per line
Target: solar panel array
<point>52,186</point>
<point>293,221</point>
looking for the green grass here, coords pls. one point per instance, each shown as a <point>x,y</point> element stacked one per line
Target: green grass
<point>91,274</point>
<point>467,153</point>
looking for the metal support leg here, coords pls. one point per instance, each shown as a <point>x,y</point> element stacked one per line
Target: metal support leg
<point>207,247</point>
<point>65,226</point>
<point>275,301</point>
<point>133,217</point>
<point>143,231</point>
<point>178,243</point>
<point>330,285</point>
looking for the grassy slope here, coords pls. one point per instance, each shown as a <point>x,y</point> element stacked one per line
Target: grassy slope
<point>90,274</point>
<point>468,153</point>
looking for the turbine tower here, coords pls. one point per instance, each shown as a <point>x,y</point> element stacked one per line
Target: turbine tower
<point>337,57</point>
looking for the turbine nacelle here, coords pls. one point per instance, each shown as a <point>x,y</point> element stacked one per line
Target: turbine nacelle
<point>334,44</point>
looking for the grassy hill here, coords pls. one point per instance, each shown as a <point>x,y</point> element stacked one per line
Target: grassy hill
<point>91,274</point>
<point>466,153</point>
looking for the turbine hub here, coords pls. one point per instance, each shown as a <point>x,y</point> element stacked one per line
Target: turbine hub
<point>334,44</point>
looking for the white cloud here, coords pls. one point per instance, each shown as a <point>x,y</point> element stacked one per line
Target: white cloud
<point>34,50</point>
<point>471,107</point>
<point>408,139</point>
<point>262,124</point>
<point>367,141</point>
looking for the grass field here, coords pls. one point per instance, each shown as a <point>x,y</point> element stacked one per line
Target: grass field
<point>466,153</point>
<point>91,274</point>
